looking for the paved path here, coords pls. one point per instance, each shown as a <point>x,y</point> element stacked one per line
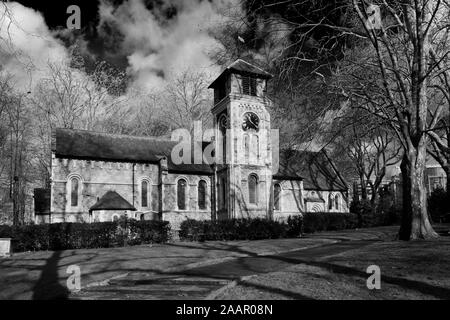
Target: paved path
<point>204,281</point>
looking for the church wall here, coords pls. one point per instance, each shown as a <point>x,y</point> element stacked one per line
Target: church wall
<point>291,199</point>
<point>171,212</point>
<point>257,163</point>
<point>96,178</point>
<point>243,208</point>
<point>314,205</point>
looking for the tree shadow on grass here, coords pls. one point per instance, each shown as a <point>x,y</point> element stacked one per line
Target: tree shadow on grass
<point>48,286</point>
<point>282,292</point>
<point>254,264</point>
<point>414,285</point>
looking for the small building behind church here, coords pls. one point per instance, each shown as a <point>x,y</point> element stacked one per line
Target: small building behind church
<point>99,177</point>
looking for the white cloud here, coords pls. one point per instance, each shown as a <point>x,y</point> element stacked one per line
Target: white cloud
<point>27,44</point>
<point>158,49</point>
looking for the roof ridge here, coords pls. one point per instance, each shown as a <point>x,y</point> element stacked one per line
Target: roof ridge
<point>118,134</point>
<point>250,64</point>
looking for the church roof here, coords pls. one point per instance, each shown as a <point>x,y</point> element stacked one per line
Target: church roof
<point>111,200</point>
<point>315,169</point>
<point>90,145</point>
<point>242,67</point>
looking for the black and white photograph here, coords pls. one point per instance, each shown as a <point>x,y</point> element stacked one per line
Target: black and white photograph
<point>224,155</point>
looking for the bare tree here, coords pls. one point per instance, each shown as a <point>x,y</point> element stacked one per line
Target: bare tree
<point>20,156</point>
<point>187,99</point>
<point>370,148</point>
<point>69,97</point>
<point>405,52</point>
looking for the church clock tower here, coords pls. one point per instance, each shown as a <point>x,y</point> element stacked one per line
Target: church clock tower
<point>243,173</point>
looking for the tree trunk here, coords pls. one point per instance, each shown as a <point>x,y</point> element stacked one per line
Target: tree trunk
<point>447,175</point>
<point>363,188</point>
<point>415,223</point>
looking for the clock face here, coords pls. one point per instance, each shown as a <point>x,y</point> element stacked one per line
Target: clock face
<point>250,121</point>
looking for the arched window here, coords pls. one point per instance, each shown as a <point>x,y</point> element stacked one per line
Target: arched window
<point>142,217</point>
<point>330,202</point>
<point>336,202</point>
<point>277,197</point>
<point>202,195</point>
<point>252,189</point>
<point>74,189</point>
<point>144,193</point>
<point>181,194</point>
<point>115,218</point>
<point>246,148</point>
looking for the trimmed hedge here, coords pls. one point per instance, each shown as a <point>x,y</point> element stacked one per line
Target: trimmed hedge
<point>63,236</point>
<point>328,221</point>
<point>233,229</point>
<point>256,229</point>
<point>385,213</point>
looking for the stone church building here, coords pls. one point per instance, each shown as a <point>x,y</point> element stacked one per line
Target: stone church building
<point>99,177</point>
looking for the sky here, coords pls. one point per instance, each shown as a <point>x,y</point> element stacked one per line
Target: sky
<point>152,41</point>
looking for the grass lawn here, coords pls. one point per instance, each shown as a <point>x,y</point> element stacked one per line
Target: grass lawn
<point>42,275</point>
<point>409,270</point>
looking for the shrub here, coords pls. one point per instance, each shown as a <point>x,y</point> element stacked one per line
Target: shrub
<point>294,226</point>
<point>438,204</point>
<point>366,214</point>
<point>144,232</point>
<point>255,229</point>
<point>328,221</point>
<point>63,236</point>
<point>233,229</point>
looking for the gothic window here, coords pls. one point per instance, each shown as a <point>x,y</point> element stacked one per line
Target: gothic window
<point>144,193</point>
<point>249,85</point>
<point>181,194</point>
<point>202,195</point>
<point>252,189</point>
<point>277,197</point>
<point>74,191</point>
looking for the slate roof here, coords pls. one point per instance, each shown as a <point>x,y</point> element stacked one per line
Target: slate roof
<point>315,169</point>
<point>242,67</point>
<point>111,200</point>
<point>90,145</point>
